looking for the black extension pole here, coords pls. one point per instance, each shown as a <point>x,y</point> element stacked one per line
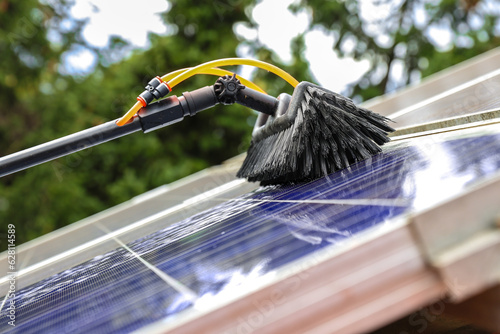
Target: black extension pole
<point>63,146</point>
<point>156,115</point>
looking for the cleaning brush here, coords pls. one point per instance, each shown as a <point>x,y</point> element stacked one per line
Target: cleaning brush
<point>319,132</point>
<point>304,136</point>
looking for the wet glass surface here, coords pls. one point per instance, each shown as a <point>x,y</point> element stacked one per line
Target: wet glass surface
<point>221,251</point>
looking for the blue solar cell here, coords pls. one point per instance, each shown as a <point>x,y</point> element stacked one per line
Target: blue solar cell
<point>249,236</point>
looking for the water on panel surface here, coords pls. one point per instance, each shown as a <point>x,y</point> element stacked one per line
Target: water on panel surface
<point>222,251</point>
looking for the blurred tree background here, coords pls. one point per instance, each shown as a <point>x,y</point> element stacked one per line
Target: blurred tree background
<point>40,102</point>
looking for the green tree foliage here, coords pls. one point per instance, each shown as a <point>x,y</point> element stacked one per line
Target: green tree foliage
<point>28,60</point>
<point>39,103</point>
<point>43,105</point>
<point>391,34</point>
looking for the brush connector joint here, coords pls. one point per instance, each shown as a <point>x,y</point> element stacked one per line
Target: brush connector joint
<point>227,88</point>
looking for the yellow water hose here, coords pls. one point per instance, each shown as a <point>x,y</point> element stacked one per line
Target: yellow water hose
<point>233,61</point>
<point>214,71</point>
<point>176,77</point>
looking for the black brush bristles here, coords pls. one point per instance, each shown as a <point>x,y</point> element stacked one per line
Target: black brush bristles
<point>320,132</point>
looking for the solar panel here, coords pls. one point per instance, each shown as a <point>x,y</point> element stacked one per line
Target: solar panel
<point>131,220</point>
<point>212,253</point>
<point>469,97</point>
<point>437,83</point>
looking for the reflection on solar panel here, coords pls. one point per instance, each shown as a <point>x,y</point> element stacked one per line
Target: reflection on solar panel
<point>215,252</point>
<point>470,97</point>
<point>441,83</point>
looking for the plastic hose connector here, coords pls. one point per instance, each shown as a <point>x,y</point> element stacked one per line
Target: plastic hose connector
<point>155,89</point>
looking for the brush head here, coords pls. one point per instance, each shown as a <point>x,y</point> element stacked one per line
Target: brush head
<point>319,133</point>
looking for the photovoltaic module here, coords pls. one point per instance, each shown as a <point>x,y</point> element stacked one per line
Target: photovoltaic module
<point>218,251</point>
